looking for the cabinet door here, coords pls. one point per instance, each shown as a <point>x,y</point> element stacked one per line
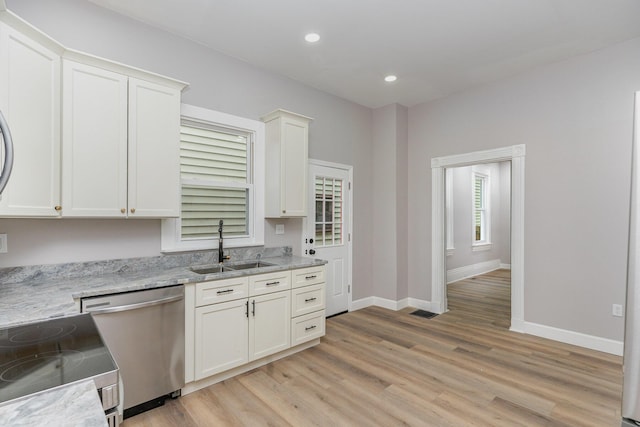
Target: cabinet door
<point>30,101</point>
<point>94,142</point>
<point>294,167</point>
<point>270,324</point>
<point>220,337</point>
<point>154,150</point>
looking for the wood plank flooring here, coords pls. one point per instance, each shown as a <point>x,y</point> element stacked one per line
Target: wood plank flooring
<point>377,367</point>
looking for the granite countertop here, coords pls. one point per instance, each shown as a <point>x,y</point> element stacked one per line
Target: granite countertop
<point>45,297</point>
<point>72,405</point>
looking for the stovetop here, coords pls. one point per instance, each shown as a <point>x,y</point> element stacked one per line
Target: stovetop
<point>43,355</point>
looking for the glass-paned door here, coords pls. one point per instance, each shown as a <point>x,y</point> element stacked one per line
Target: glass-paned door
<point>329,196</point>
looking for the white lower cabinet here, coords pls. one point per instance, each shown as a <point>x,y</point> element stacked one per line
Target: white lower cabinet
<point>221,337</point>
<point>269,324</point>
<point>241,320</point>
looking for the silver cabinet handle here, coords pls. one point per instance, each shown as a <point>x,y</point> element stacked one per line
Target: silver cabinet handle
<point>310,328</point>
<point>253,308</point>
<point>310,277</point>
<point>310,299</point>
<point>272,283</point>
<point>226,291</point>
<point>137,305</point>
<point>247,312</point>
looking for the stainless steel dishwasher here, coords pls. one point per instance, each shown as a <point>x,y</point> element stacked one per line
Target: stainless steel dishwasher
<point>144,331</point>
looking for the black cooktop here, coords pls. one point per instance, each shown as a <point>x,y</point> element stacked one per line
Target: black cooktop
<point>43,355</point>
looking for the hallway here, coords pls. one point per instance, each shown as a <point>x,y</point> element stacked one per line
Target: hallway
<point>485,298</point>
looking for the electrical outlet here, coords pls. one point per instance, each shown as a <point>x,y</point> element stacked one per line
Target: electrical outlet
<point>617,310</point>
<point>279,228</point>
<point>3,244</point>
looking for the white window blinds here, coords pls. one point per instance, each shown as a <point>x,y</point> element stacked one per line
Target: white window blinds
<point>215,181</point>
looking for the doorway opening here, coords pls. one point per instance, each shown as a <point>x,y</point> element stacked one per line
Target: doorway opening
<point>478,252</point>
<point>515,154</point>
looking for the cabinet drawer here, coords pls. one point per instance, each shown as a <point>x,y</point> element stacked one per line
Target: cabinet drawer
<point>271,282</point>
<point>307,299</point>
<point>221,291</point>
<point>307,327</point>
<point>308,276</point>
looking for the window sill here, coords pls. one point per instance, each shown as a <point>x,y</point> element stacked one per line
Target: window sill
<point>481,247</point>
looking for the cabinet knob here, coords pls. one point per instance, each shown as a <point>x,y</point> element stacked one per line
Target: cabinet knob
<point>123,210</point>
<point>58,208</point>
<point>133,210</point>
<point>284,211</point>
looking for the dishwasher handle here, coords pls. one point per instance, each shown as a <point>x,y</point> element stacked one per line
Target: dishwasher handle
<point>136,305</point>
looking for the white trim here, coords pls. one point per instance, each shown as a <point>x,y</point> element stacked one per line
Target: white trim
<point>421,304</point>
<point>392,305</point>
<point>514,153</point>
<point>467,271</point>
<point>448,177</point>
<point>359,304</point>
<point>575,338</point>
<point>479,247</point>
<point>505,266</point>
<point>350,237</point>
<point>170,235</point>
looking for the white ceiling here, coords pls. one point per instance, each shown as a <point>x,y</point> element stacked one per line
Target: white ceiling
<point>435,47</point>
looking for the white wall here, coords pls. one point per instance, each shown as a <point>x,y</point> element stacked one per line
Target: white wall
<point>575,118</point>
<point>462,196</point>
<point>340,131</point>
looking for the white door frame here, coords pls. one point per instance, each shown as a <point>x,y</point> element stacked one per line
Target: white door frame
<point>515,154</point>
<point>349,238</point>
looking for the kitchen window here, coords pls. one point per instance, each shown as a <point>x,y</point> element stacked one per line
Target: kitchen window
<point>481,211</point>
<point>220,157</point>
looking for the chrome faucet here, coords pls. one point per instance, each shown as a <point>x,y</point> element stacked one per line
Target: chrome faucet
<point>221,256</point>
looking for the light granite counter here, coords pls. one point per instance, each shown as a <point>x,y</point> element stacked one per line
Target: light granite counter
<point>72,405</point>
<point>56,293</point>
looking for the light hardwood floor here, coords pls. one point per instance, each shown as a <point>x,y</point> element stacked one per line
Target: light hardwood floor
<point>377,367</point>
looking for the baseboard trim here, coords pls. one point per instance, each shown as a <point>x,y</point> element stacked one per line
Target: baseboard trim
<point>505,266</point>
<point>390,304</point>
<point>467,271</point>
<point>592,342</point>
<point>562,335</point>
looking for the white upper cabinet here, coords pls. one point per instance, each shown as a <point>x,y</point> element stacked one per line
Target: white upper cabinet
<point>120,149</point>
<point>92,137</point>
<point>287,142</point>
<point>154,150</point>
<point>30,101</point>
<point>94,134</point>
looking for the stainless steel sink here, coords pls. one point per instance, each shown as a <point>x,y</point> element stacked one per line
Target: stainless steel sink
<point>248,265</point>
<point>217,268</point>
<point>210,269</point>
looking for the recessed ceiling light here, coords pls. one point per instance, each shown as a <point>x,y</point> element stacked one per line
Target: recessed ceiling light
<point>390,78</point>
<point>312,37</point>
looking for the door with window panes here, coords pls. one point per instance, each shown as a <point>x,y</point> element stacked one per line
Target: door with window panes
<point>327,235</point>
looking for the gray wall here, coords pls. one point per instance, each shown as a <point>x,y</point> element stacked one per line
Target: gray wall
<point>340,131</point>
<point>575,118</point>
<point>462,196</point>
<point>390,199</point>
